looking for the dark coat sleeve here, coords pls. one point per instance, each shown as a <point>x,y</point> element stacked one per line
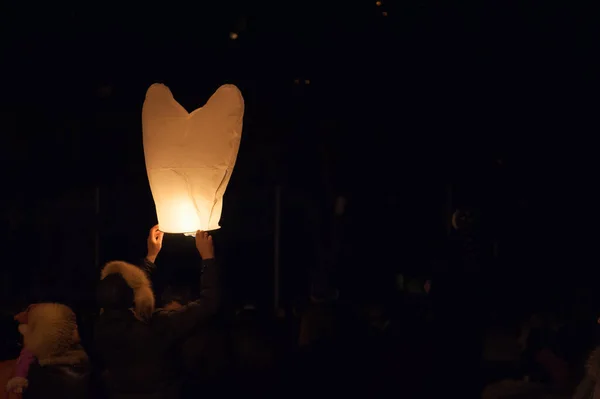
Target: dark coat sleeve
<point>61,381</point>
<point>176,325</point>
<point>148,267</point>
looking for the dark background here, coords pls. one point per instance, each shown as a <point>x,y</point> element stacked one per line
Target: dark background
<point>435,106</point>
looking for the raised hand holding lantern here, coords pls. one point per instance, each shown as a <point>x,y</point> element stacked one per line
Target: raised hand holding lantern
<point>190,156</point>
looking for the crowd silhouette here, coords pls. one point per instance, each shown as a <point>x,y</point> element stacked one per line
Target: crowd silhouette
<point>189,340</point>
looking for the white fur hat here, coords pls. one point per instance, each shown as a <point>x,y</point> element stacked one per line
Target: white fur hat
<point>138,281</point>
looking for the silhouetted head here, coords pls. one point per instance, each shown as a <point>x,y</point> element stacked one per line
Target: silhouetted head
<point>51,332</point>
<point>114,293</point>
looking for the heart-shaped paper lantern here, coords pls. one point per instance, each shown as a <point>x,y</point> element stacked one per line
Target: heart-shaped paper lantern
<point>190,156</point>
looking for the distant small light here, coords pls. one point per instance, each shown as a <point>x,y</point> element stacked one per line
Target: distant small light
<point>233,35</point>
<point>384,13</point>
<point>297,81</point>
<point>307,82</point>
<point>378,3</point>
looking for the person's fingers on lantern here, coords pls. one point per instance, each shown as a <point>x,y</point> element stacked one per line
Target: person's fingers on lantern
<point>156,235</point>
<point>154,243</point>
<point>204,244</point>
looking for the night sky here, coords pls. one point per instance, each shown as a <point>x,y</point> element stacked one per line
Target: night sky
<point>491,104</point>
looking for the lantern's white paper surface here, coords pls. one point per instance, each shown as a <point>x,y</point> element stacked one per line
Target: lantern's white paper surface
<point>190,156</point>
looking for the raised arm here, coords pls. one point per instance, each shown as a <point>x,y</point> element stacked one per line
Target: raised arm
<point>154,242</point>
<point>148,267</point>
<point>175,325</point>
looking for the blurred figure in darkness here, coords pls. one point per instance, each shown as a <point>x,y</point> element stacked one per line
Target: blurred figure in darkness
<point>254,349</point>
<point>205,354</point>
<point>545,373</point>
<point>589,386</point>
<point>330,357</point>
<point>318,318</point>
<point>456,295</point>
<point>397,351</point>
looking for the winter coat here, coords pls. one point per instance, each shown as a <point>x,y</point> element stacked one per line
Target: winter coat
<point>64,377</point>
<point>140,355</point>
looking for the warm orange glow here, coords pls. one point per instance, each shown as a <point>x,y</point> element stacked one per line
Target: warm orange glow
<point>233,35</point>
<point>190,156</point>
<point>384,13</point>
<point>378,3</point>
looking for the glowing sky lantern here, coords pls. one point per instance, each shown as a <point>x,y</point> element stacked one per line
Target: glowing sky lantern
<point>190,156</point>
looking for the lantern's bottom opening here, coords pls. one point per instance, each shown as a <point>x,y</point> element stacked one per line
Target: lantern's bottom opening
<point>190,234</point>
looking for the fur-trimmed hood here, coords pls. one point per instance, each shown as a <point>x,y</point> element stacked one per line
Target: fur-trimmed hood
<point>51,335</point>
<point>73,356</point>
<point>138,281</point>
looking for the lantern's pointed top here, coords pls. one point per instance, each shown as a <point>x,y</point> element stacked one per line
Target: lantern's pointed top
<point>158,87</point>
<point>227,97</point>
<point>229,87</point>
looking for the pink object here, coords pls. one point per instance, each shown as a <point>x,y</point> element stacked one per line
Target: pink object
<point>25,360</point>
<point>427,286</point>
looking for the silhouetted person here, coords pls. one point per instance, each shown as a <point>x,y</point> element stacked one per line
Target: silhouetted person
<point>138,345</point>
<point>329,347</point>
<point>545,372</point>
<point>253,351</point>
<point>53,364</point>
<point>205,354</point>
<point>206,359</point>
